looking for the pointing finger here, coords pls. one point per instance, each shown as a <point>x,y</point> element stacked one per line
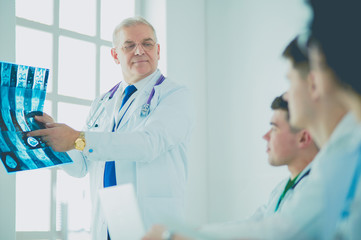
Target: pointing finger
<point>44,119</point>
<point>38,133</point>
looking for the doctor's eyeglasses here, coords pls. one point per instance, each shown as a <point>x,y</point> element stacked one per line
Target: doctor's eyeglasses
<point>147,45</point>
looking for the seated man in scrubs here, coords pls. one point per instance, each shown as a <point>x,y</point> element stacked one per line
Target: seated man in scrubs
<point>286,146</point>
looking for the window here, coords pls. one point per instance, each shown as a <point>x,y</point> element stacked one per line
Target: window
<point>73,40</point>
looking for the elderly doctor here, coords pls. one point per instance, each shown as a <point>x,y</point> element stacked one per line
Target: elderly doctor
<point>137,133</point>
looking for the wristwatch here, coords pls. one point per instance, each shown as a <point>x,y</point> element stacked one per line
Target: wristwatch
<point>80,143</point>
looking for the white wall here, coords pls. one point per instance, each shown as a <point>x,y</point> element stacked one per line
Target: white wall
<point>155,12</point>
<point>7,182</point>
<point>245,72</point>
<point>229,54</point>
<point>186,55</point>
<point>181,30</point>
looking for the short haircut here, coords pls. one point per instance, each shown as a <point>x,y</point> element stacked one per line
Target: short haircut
<point>298,57</point>
<point>280,104</point>
<point>129,22</point>
<point>335,32</point>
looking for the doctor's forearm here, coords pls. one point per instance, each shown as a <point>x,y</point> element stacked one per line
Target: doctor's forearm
<point>135,146</point>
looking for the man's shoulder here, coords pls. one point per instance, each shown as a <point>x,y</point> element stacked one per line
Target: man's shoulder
<point>170,84</point>
<point>172,87</point>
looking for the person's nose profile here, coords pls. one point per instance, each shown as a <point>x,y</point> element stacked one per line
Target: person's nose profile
<point>266,136</point>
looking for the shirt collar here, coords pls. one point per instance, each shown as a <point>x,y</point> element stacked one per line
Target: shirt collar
<point>347,125</point>
<point>345,137</point>
<point>141,83</point>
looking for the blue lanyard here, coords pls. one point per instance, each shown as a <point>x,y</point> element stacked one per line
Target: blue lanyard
<point>352,191</point>
<point>299,180</point>
<point>291,187</point>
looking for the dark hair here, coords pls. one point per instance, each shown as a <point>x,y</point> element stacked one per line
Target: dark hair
<point>298,57</point>
<point>335,30</point>
<point>280,104</point>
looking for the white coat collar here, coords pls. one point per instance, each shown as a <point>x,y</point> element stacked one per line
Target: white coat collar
<point>140,84</point>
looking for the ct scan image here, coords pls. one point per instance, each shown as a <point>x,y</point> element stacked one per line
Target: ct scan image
<point>23,91</point>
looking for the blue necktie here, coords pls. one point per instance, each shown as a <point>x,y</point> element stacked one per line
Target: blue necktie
<point>109,171</point>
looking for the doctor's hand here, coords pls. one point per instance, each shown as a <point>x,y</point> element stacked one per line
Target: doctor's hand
<point>44,119</point>
<point>157,231</point>
<point>60,137</point>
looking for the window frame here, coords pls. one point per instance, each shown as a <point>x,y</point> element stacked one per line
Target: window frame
<point>55,98</point>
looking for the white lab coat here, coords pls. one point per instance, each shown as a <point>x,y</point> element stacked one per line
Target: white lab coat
<point>350,227</point>
<point>156,143</point>
<point>314,209</point>
<point>267,209</point>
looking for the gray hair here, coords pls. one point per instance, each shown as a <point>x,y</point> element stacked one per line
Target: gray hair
<point>129,22</point>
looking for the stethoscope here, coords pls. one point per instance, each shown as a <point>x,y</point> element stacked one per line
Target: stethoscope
<point>299,180</point>
<point>110,94</point>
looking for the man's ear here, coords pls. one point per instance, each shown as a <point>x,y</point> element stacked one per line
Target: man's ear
<point>158,51</point>
<point>313,87</point>
<point>304,138</point>
<point>115,55</point>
